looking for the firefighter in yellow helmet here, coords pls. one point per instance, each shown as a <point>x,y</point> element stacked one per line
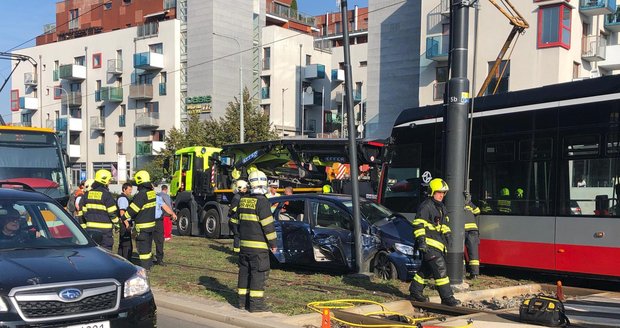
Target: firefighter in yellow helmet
<point>504,204</point>
<point>432,236</point>
<point>99,208</point>
<point>257,236</point>
<point>141,211</point>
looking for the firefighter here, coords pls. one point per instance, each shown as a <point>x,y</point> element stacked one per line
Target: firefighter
<point>432,236</point>
<point>504,205</point>
<point>472,239</point>
<point>257,236</point>
<point>99,208</point>
<point>240,189</point>
<point>141,212</point>
<point>125,247</point>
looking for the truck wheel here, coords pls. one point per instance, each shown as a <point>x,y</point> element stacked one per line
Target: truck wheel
<point>184,222</point>
<point>212,224</point>
<point>383,267</point>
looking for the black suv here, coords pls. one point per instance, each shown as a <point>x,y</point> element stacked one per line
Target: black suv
<point>53,274</point>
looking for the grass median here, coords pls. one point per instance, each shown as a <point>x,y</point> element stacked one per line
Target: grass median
<point>208,268</point>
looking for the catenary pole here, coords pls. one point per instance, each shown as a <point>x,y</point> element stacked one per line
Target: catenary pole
<point>362,266</point>
<point>456,136</point>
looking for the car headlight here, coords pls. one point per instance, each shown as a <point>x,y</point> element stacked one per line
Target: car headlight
<point>3,306</point>
<point>137,285</point>
<point>407,250</point>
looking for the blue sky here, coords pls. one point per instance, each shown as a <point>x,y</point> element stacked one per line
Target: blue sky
<point>24,20</point>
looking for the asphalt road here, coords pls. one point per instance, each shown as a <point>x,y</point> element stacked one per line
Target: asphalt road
<point>167,318</point>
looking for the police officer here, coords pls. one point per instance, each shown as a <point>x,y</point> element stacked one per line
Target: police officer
<point>125,246</point>
<point>142,212</point>
<point>240,189</point>
<point>472,239</point>
<point>99,208</point>
<point>432,236</point>
<point>257,236</point>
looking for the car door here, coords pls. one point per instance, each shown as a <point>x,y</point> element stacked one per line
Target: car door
<point>293,230</point>
<point>332,235</point>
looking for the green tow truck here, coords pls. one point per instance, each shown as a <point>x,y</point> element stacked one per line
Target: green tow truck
<point>202,176</point>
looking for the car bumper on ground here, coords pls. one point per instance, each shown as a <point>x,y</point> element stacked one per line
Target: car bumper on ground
<point>139,311</point>
<point>406,266</point>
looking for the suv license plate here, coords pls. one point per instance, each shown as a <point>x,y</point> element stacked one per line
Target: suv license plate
<point>100,324</point>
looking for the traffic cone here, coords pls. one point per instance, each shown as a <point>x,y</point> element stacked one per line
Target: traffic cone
<point>325,319</point>
<point>559,292</point>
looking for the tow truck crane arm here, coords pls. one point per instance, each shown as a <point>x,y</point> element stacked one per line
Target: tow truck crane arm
<point>19,58</point>
<point>519,24</point>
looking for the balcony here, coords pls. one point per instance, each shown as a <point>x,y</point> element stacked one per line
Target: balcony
<point>115,66</point>
<point>439,89</point>
<point>97,123</point>
<point>121,120</point>
<point>72,99</point>
<point>141,91</point>
<point>72,72</point>
<point>597,7</point>
<point>28,104</point>
<point>285,12</point>
<point>74,151</point>
<point>147,120</point>
<point>75,125</point>
<point>162,89</point>
<point>445,7</point>
<point>149,148</point>
<point>101,149</point>
<point>612,21</point>
<point>337,75</point>
<point>264,93</point>
<point>612,62</point>
<point>312,98</point>
<point>437,47</point>
<point>314,71</point>
<point>357,97</point>
<point>111,94</point>
<point>148,61</point>
<point>593,48</point>
<point>50,124</point>
<point>30,79</point>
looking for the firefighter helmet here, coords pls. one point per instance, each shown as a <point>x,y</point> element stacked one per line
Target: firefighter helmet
<point>327,189</point>
<point>504,192</point>
<point>519,193</point>
<point>88,184</point>
<point>438,184</point>
<point>142,177</point>
<point>257,179</point>
<point>239,185</point>
<point>103,176</point>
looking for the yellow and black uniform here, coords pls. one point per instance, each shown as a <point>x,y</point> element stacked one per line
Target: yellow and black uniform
<point>99,212</point>
<point>257,236</point>
<point>472,239</point>
<point>504,204</point>
<point>432,236</point>
<point>141,211</point>
<point>233,222</point>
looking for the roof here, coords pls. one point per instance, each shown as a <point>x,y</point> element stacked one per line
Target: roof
<point>23,128</point>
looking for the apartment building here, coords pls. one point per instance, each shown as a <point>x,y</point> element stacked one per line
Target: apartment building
<point>111,93</point>
<point>565,41</point>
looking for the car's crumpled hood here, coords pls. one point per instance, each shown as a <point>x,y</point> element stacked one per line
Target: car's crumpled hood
<point>43,266</point>
<point>397,228</point>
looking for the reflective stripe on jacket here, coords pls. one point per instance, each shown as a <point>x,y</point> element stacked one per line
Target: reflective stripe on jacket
<point>256,226</point>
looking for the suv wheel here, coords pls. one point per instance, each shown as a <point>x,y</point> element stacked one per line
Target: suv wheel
<point>184,222</point>
<point>383,267</point>
<point>212,224</point>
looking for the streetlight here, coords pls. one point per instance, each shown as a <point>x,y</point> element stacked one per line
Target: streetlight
<point>241,125</point>
<point>68,117</point>
<point>283,89</point>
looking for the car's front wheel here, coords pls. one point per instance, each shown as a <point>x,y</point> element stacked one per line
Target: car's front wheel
<point>383,267</point>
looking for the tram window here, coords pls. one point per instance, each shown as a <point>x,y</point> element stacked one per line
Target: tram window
<point>499,152</point>
<point>594,187</point>
<point>535,149</point>
<point>613,144</point>
<point>579,146</point>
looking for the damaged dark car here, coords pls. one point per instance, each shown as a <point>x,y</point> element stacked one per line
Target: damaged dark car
<point>315,231</point>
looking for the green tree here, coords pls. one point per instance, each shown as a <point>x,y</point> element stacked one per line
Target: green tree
<point>294,5</point>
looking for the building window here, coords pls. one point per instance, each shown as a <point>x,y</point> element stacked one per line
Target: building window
<point>15,100</point>
<point>81,60</point>
<point>499,82</point>
<point>97,60</point>
<point>576,70</point>
<point>157,48</point>
<point>554,25</point>
<point>107,5</point>
<point>57,92</point>
<point>127,2</point>
<point>266,58</point>
<point>266,109</point>
<point>341,65</point>
<point>363,63</point>
<point>441,76</point>
<point>73,19</point>
<point>308,59</point>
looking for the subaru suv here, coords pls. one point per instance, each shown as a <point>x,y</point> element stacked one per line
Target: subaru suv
<point>53,274</point>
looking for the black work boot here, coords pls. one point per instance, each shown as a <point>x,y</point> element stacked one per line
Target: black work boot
<point>242,302</point>
<point>451,301</point>
<point>418,297</point>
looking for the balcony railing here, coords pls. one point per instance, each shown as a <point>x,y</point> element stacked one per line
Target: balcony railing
<point>288,13</point>
<point>30,79</point>
<point>115,66</point>
<point>101,149</point>
<point>148,60</point>
<point>437,47</point>
<point>597,7</point>
<point>72,72</point>
<point>147,120</point>
<point>612,22</point>
<point>28,104</point>
<point>97,123</point>
<point>445,7</point>
<point>144,148</point>
<point>593,48</point>
<point>121,120</point>
<point>112,94</point>
<point>72,99</point>
<point>264,93</point>
<point>61,124</point>
<point>314,71</point>
<point>50,124</point>
<point>141,91</point>
<point>337,75</point>
<point>312,99</point>
<point>74,151</point>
